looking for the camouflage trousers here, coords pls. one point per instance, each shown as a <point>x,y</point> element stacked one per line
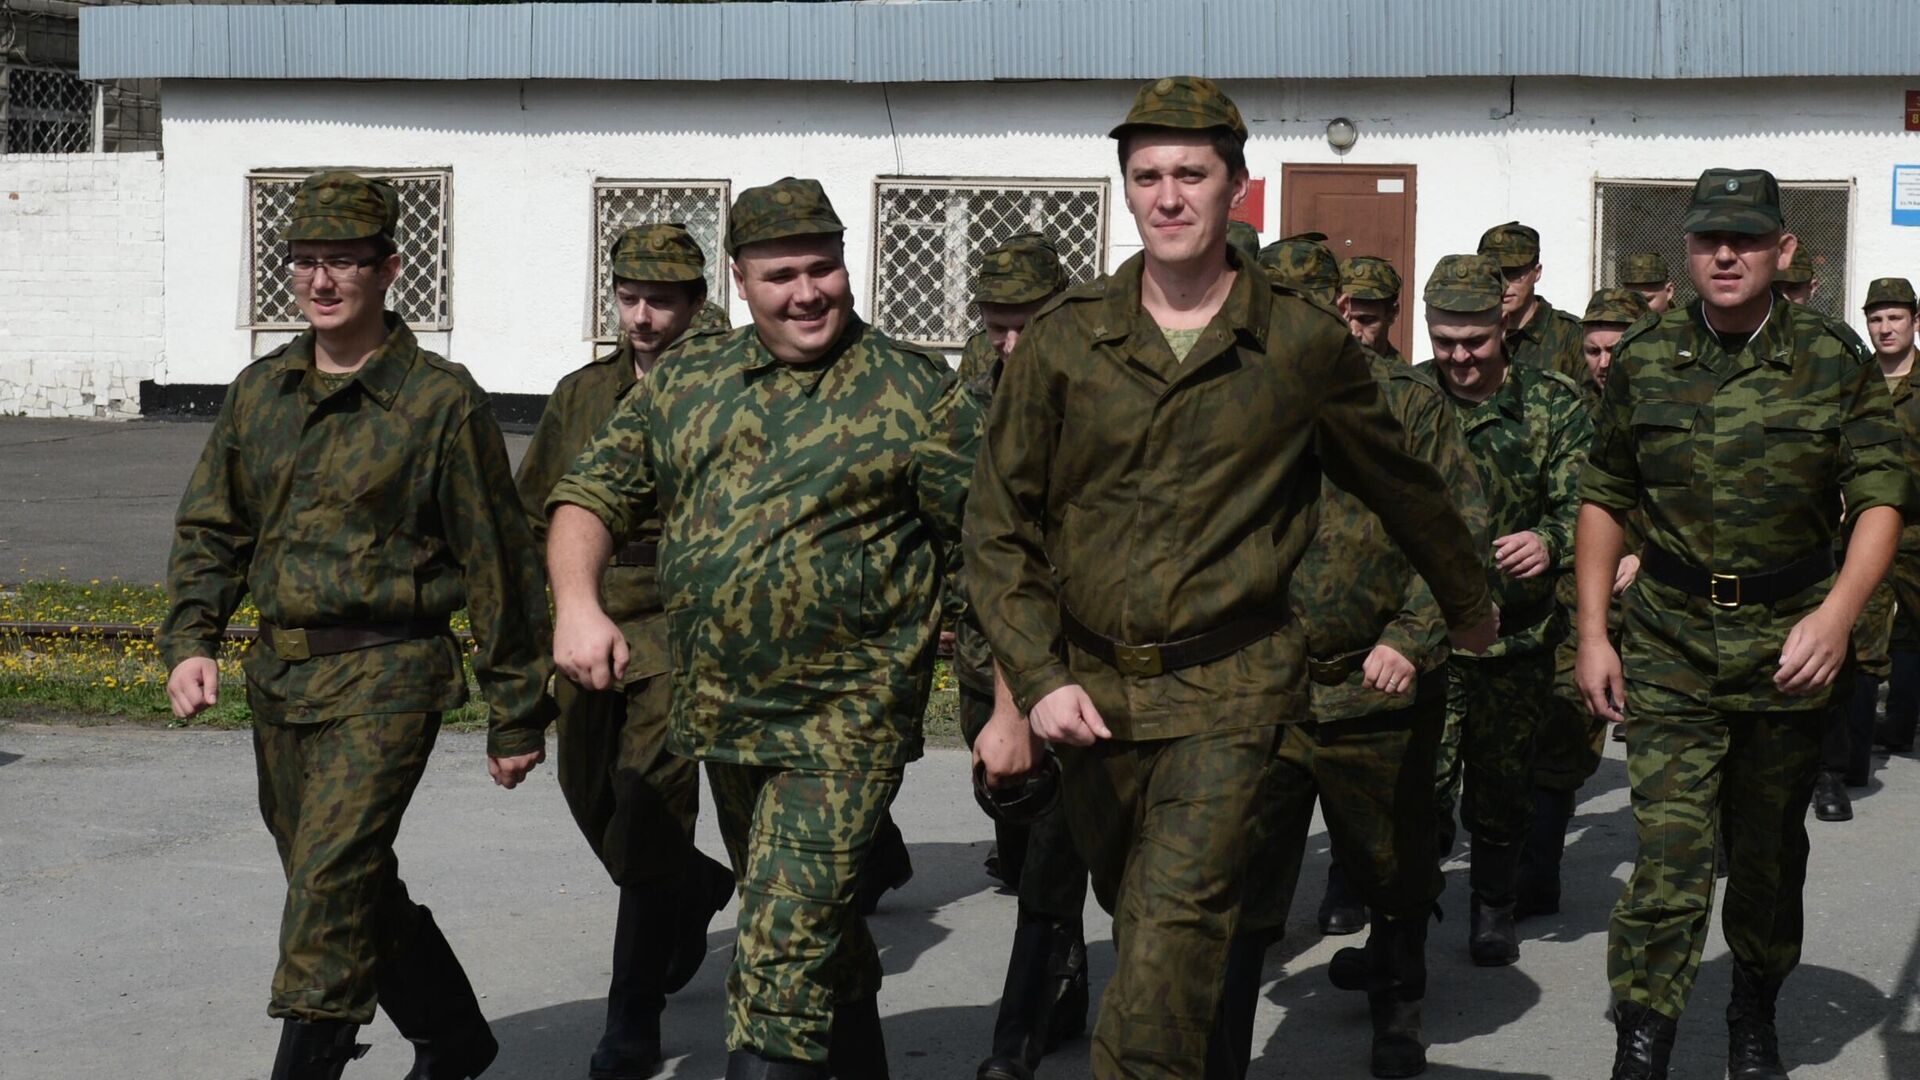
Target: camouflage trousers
<point>1873,633</point>
<point>797,839</point>
<point>1374,785</point>
<point>1495,709</point>
<point>1052,877</point>
<point>635,802</point>
<point>1571,741</point>
<point>332,793</point>
<point>1163,826</point>
<point>1691,768</point>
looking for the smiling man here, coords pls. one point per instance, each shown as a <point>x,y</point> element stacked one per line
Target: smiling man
<point>357,488</point>
<point>808,473</point>
<point>1143,494</point>
<point>1737,428</point>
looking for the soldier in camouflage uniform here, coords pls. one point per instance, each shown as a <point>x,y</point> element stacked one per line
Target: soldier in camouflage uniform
<point>1527,431</point>
<point>1538,334</point>
<point>635,802</point>
<point>1890,329</point>
<point>1797,281</point>
<point>357,487</point>
<point>1647,276</point>
<point>1143,494</point>
<point>1736,428</point>
<point>1370,302</point>
<point>808,473</point>
<point>1377,647</point>
<point>1045,995</point>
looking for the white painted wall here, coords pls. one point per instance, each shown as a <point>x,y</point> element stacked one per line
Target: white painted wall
<point>80,282</point>
<point>524,157</point>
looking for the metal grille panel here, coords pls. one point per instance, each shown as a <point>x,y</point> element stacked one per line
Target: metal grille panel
<point>928,235</point>
<point>47,112</point>
<point>1641,216</point>
<point>700,205</point>
<point>422,295</point>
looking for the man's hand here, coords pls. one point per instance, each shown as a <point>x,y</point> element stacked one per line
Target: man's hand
<point>1623,577</point>
<point>1816,648</point>
<point>1478,637</point>
<point>509,771</point>
<point>1520,555</point>
<point>1067,715</point>
<point>1007,747</point>
<point>1387,671</point>
<point>193,686</point>
<point>589,649</point>
<point>1596,671</point>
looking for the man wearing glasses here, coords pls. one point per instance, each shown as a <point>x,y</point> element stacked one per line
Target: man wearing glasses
<point>356,486</point>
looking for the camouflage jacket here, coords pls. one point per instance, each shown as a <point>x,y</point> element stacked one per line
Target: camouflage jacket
<point>576,411</point>
<point>1528,440</point>
<point>1739,463</point>
<point>1355,588</point>
<point>972,658</point>
<point>1158,499</point>
<point>1552,339</point>
<point>387,500</point>
<point>1906,412</point>
<point>803,509</point>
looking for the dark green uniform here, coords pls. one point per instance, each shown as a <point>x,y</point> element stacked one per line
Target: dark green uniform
<point>1551,340</point>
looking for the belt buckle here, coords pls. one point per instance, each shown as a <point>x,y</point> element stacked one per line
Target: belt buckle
<point>1715,595</point>
<point>291,645</point>
<point>1141,661</point>
<point>1327,672</point>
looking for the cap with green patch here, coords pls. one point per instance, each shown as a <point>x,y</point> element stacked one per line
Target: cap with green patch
<point>1304,261</point>
<point>1890,290</point>
<point>663,252</point>
<point>1242,237</point>
<point>1369,277</point>
<point>1615,306</point>
<point>1512,245</point>
<point>1465,285</point>
<point>1187,102</point>
<point>1021,270</point>
<point>1799,269</point>
<point>787,207</point>
<point>1736,201</point>
<point>1644,269</point>
<point>338,205</point>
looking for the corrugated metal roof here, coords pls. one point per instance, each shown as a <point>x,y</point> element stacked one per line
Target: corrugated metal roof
<point>984,40</point>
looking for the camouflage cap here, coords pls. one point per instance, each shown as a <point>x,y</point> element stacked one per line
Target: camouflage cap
<point>786,207</point>
<point>1465,284</point>
<point>1021,270</point>
<point>1188,102</point>
<point>1306,262</point>
<point>1890,290</point>
<point>1799,269</point>
<point>1735,201</point>
<point>1512,245</point>
<point>663,252</point>
<point>1644,269</point>
<point>342,206</point>
<point>1242,237</point>
<point>1369,277</point>
<point>1615,306</point>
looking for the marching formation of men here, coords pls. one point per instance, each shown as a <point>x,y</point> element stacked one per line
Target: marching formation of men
<point>1211,550</point>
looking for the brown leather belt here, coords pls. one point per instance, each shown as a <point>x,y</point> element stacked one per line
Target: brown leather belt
<point>1733,590</point>
<point>637,553</point>
<point>1147,661</point>
<point>295,645</point>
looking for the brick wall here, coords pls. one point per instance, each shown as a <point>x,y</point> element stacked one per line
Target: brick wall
<point>81,283</point>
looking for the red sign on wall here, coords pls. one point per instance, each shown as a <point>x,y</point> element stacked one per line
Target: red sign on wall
<point>1253,211</point>
<point>1913,110</point>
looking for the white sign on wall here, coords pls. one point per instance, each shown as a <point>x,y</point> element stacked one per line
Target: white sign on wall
<point>1906,195</point>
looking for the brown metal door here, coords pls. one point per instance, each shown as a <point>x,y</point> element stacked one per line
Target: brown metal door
<point>1364,210</point>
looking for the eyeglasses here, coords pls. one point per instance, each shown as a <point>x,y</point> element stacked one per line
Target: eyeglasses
<point>337,265</point>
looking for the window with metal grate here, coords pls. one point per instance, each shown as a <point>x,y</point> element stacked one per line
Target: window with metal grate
<point>700,205</point>
<point>423,294</point>
<point>47,111</point>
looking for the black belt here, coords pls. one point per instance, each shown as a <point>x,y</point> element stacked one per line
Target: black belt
<point>1516,620</point>
<point>637,553</point>
<point>294,645</point>
<point>1147,661</point>
<point>1733,590</point>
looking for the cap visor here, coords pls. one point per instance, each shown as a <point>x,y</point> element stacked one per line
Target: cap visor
<point>1723,219</point>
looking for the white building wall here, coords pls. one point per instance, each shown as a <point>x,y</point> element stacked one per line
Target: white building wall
<point>80,282</point>
<point>524,156</point>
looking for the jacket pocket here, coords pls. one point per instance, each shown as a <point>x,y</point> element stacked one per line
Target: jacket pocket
<point>1663,435</point>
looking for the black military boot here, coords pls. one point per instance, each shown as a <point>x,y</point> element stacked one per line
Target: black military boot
<point>1230,1046</point>
<point>426,994</point>
<point>1643,1042</point>
<point>747,1065</point>
<point>888,867</point>
<point>1044,999</point>
<point>1492,940</point>
<point>315,1049</point>
<point>1753,1045</point>
<point>1860,723</point>
<point>1397,986</point>
<point>1537,891</point>
<point>629,1048</point>
<point>1341,910</point>
<point>702,893</point>
<point>1830,799</point>
<point>856,1049</point>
